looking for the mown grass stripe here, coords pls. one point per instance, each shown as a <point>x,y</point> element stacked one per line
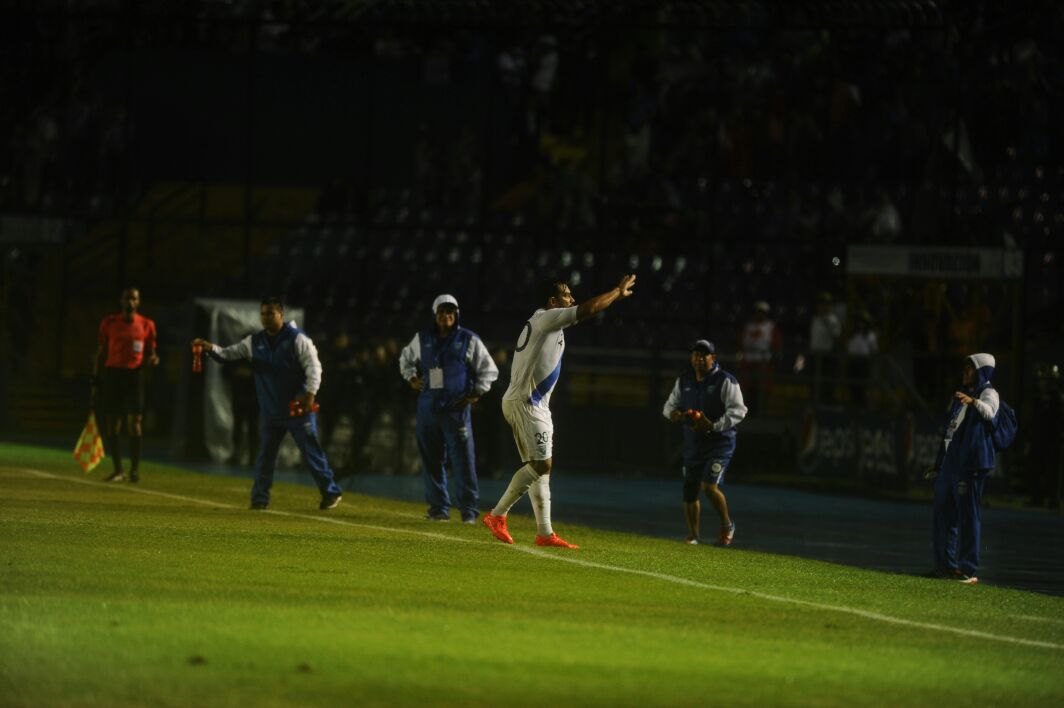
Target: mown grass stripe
<point>843,609</point>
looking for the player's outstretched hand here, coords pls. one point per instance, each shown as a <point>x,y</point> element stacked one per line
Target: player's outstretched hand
<point>207,346</point>
<point>627,282</point>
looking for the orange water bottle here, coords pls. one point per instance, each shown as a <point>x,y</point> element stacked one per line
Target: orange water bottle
<point>197,358</point>
<point>296,408</point>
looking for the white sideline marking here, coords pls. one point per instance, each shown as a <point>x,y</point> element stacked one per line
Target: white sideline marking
<point>867,614</point>
<point>1036,618</point>
<point>152,492</point>
<point>805,603</point>
<point>220,505</point>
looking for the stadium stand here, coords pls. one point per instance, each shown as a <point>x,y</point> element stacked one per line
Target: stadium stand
<point>360,159</point>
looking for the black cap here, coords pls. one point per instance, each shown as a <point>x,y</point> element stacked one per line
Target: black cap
<point>703,345</point>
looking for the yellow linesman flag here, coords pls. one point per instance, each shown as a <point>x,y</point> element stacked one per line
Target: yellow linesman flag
<point>89,450</point>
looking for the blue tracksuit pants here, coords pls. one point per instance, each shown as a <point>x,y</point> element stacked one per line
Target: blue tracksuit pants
<point>447,436</point>
<point>304,431</point>
<point>958,520</point>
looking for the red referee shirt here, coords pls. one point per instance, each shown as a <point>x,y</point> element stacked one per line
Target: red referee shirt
<point>126,342</point>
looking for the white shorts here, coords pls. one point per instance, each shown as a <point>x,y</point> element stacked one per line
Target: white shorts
<point>533,429</point>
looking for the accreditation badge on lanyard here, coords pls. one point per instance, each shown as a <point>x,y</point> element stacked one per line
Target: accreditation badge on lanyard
<point>435,377</point>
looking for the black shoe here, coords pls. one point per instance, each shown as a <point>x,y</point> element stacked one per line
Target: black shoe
<point>258,506</point>
<point>471,520</point>
<point>116,477</point>
<point>330,501</point>
<point>134,476</point>
<point>437,516</point>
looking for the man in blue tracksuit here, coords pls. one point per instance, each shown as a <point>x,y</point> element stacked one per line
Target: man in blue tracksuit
<point>451,369</point>
<point>965,459</point>
<point>708,399</point>
<point>286,368</point>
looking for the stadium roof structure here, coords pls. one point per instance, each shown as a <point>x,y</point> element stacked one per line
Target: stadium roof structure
<point>700,14</point>
<point>642,13</point>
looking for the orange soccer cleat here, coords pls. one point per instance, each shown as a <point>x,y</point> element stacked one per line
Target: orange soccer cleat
<point>727,533</point>
<point>554,540</point>
<point>497,526</point>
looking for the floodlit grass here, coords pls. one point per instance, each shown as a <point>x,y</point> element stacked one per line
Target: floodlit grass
<point>117,595</point>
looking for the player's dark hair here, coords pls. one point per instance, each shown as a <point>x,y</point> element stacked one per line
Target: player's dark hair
<point>548,288</point>
<point>272,301</point>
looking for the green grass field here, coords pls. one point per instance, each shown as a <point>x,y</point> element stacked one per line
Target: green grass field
<point>172,593</point>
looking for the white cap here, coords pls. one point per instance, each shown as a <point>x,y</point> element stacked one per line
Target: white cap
<point>981,360</point>
<point>444,299</point>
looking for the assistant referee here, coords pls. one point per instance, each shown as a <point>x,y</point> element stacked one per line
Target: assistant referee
<point>126,340</point>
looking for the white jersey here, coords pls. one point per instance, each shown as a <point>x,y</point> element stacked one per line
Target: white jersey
<point>537,361</point>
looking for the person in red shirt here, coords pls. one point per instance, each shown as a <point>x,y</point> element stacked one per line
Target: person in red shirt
<point>760,347</point>
<point>126,341</point>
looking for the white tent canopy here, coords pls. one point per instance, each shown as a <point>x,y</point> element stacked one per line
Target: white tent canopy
<point>229,321</point>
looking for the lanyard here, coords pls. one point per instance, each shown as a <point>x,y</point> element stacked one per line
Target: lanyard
<point>443,344</point>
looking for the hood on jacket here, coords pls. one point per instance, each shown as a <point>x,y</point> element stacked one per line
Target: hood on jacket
<point>984,369</point>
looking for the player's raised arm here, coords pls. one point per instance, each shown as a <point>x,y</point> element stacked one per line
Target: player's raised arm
<point>600,302</point>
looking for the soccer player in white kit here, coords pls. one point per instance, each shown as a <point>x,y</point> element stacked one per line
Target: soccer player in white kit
<point>537,363</point>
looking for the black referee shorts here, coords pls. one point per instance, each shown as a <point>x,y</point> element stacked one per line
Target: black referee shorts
<point>122,392</point>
